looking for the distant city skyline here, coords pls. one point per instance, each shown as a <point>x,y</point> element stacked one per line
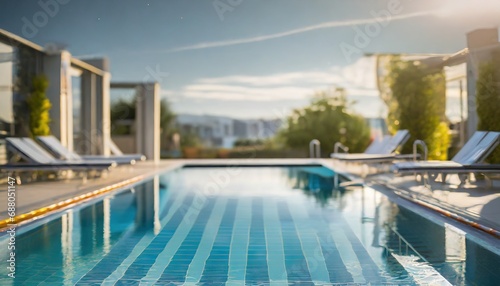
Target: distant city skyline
<point>249,59</point>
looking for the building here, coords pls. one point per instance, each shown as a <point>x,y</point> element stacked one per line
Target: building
<point>213,131</point>
<point>22,60</point>
<point>220,131</point>
<point>462,72</point>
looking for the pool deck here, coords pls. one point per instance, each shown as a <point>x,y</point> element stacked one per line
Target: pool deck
<point>36,195</point>
<point>473,202</point>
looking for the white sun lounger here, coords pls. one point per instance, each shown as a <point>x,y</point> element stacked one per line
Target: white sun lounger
<point>33,153</point>
<point>380,153</point>
<point>37,159</point>
<point>467,160</point>
<point>117,152</point>
<point>54,145</point>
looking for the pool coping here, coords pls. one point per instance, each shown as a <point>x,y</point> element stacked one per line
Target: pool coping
<point>441,217</point>
<point>52,209</point>
<point>448,211</point>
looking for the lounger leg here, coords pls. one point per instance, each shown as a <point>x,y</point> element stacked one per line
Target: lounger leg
<point>463,178</point>
<point>336,181</point>
<point>426,180</point>
<point>489,183</point>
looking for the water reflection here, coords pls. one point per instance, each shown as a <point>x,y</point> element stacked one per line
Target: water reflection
<point>316,182</point>
<point>448,251</point>
<point>63,247</point>
<point>68,247</point>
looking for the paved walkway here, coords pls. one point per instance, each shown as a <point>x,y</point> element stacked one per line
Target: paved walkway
<point>31,196</point>
<point>474,201</point>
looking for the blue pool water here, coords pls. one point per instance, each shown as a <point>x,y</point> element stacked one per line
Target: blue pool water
<point>251,225</point>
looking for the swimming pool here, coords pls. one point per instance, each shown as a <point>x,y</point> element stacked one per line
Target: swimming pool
<point>253,225</point>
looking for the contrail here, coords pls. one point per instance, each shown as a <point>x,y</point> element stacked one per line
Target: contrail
<point>325,25</point>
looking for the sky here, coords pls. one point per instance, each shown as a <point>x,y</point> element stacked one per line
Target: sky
<point>249,58</point>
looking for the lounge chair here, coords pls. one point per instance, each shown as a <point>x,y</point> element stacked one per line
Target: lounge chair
<point>37,159</point>
<point>377,145</point>
<point>35,155</point>
<point>380,153</point>
<point>468,160</point>
<point>52,144</point>
<point>117,152</point>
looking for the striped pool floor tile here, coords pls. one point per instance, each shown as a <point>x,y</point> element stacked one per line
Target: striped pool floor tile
<point>237,241</point>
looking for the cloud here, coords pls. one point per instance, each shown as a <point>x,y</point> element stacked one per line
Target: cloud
<point>241,93</point>
<point>325,25</point>
<point>357,79</point>
<point>276,95</point>
<point>458,9</point>
<point>309,78</point>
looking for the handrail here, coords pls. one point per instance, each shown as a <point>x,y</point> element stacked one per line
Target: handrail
<point>338,146</point>
<point>416,143</point>
<point>315,149</point>
<point>408,245</point>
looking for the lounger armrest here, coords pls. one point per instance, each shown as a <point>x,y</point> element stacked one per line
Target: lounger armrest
<point>53,167</point>
<point>117,160</point>
<point>426,166</point>
<point>361,157</point>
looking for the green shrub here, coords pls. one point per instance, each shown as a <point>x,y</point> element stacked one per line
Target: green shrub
<point>39,107</point>
<point>327,119</point>
<point>488,101</point>
<point>440,143</point>
<point>418,104</point>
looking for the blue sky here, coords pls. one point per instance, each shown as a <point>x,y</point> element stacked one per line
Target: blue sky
<point>250,58</point>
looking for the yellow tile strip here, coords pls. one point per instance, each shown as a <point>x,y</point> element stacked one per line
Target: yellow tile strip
<point>32,215</point>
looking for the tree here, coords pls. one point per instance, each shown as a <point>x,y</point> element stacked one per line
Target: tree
<point>327,119</point>
<point>39,107</point>
<point>167,124</point>
<point>23,87</point>
<point>418,104</point>
<point>488,100</point>
<point>123,112</point>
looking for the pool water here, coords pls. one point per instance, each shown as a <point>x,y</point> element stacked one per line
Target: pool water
<point>246,225</point>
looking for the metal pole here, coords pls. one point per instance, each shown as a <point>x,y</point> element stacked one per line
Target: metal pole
<point>315,149</point>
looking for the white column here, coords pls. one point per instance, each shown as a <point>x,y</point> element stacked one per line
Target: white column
<point>148,121</point>
<point>105,115</point>
<point>57,69</point>
<point>87,114</point>
<point>6,94</point>
<point>96,108</point>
